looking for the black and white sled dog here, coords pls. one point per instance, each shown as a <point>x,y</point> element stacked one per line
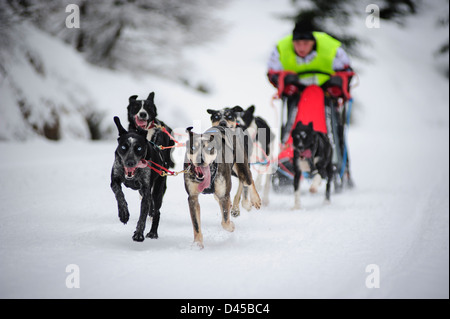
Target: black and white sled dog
<point>143,113</point>
<point>312,153</point>
<point>133,155</point>
<point>210,159</point>
<point>263,149</point>
<point>227,117</point>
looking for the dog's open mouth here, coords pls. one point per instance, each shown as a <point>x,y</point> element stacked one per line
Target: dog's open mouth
<point>141,123</point>
<point>130,171</point>
<point>203,175</point>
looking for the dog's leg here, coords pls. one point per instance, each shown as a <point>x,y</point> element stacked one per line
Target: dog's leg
<point>265,199</point>
<point>116,187</point>
<point>316,181</point>
<point>225,205</point>
<point>245,175</point>
<point>153,233</point>
<point>330,176</point>
<point>158,194</point>
<point>194,208</point>
<point>259,187</point>
<point>269,172</point>
<point>258,182</point>
<point>316,178</point>
<point>254,196</point>
<point>235,211</point>
<point>146,206</point>
<point>297,177</point>
<point>349,178</point>
<point>155,214</point>
<point>246,203</point>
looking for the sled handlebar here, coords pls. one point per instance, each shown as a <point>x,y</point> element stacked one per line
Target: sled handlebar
<point>345,76</point>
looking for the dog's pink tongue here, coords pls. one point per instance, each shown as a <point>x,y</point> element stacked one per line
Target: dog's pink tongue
<point>140,123</point>
<point>306,153</point>
<point>142,164</point>
<point>206,178</point>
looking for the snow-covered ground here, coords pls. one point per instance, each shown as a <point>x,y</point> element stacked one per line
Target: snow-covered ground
<point>56,207</point>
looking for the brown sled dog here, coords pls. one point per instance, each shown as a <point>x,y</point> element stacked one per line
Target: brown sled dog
<point>209,161</point>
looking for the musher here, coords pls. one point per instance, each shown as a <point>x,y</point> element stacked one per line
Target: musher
<point>300,67</point>
<point>305,50</point>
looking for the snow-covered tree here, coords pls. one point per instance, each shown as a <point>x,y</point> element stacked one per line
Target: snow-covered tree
<point>41,95</point>
<point>137,35</point>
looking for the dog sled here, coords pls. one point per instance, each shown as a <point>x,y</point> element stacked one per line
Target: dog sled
<point>329,108</point>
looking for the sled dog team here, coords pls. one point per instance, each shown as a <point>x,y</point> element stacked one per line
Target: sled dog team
<point>213,158</point>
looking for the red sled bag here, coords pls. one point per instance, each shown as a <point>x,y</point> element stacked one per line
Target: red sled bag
<point>311,108</point>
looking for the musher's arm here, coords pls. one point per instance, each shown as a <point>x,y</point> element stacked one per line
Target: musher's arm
<point>340,62</point>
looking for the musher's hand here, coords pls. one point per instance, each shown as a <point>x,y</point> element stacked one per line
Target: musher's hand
<point>290,89</point>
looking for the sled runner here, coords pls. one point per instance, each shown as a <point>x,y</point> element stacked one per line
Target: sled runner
<point>328,108</point>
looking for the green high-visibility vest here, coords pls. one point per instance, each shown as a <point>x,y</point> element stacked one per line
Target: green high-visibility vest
<point>326,47</point>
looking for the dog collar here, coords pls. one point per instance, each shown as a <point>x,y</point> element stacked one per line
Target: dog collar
<point>306,153</point>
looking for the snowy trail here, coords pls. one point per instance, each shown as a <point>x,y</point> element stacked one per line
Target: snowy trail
<point>321,251</point>
<point>57,208</point>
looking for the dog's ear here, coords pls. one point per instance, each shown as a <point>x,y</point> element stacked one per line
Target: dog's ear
<point>151,99</point>
<point>237,109</point>
<point>189,130</point>
<point>250,110</point>
<point>132,98</point>
<point>191,134</point>
<point>120,128</point>
<point>310,125</point>
<point>210,112</point>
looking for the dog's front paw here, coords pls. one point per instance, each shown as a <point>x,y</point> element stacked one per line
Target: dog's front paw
<point>254,198</point>
<point>197,245</point>
<point>228,226</point>
<point>235,212</point>
<point>317,180</point>
<point>124,215</point>
<point>138,236</point>
<point>256,201</point>
<point>313,189</point>
<point>152,235</point>
<point>247,204</point>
